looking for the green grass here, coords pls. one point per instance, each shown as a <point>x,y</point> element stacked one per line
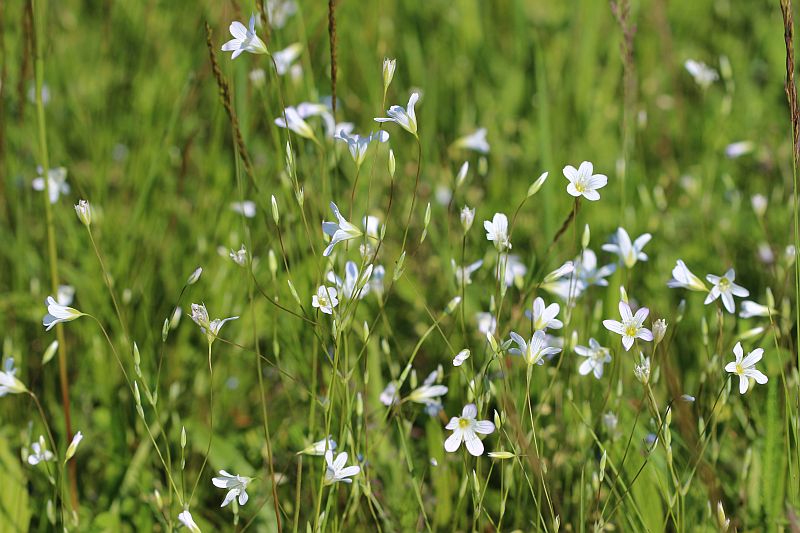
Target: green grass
<point>134,114</point>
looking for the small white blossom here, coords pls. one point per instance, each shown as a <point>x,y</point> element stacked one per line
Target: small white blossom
<point>487,323</point>
<point>389,66</point>
<point>683,277</point>
<point>464,274</point>
<point>335,470</point>
<point>240,257</point>
<point>628,252</point>
<point>738,149</point>
<point>73,446</point>
<point>514,270</point>
<point>246,208</point>
<point>211,328</point>
<point>467,217</point>
<point>544,317</point>
<point>405,118</point>
<point>57,313</point>
<point>460,357</point>
<point>389,394</point>
<point>725,287</point>
<point>56,183</point>
<point>84,212</point>
<point>583,181</point>
<point>9,384</point>
<point>760,204</point>
<point>39,452</point>
<point>339,231</point>
<point>497,231</point>
<point>244,39</point>
<point>358,145</point>
<point>642,370</point>
<point>466,429</point>
<point>294,121</point>
<point>428,393</point>
<point>703,75</point>
<point>596,356</point>
<point>535,351</point>
<point>286,57</point>
<point>279,11</point>
<point>185,518</point>
<point>236,486</point>
<point>320,447</point>
<point>475,141</point>
<point>745,367</point>
<point>752,309</point>
<point>325,299</point>
<point>631,327</point>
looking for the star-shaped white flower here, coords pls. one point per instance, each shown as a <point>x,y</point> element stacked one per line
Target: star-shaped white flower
<point>682,277</point>
<point>631,327</point>
<point>236,485</point>
<point>464,274</point>
<point>629,252</point>
<point>284,58</point>
<point>497,231</point>
<point>544,317</point>
<point>325,299</point>
<point>210,327</point>
<point>535,351</point>
<point>429,393</point>
<point>726,288</point>
<point>466,429</point>
<point>583,182</point>
<point>39,452</point>
<point>339,231</point>
<point>487,323</point>
<point>58,313</point>
<point>405,118</point>
<point>745,367</point>
<point>56,183</point>
<point>244,39</point>
<point>596,356</point>
<point>335,470</point>
<point>358,145</point>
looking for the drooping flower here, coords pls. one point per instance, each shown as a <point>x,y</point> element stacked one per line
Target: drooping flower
<point>236,486</point>
<point>583,181</point>
<point>244,39</point>
<point>73,446</point>
<point>752,309</point>
<point>358,145</point>
<point>466,429</point>
<point>628,252</point>
<point>544,317</point>
<point>239,257</point>
<point>514,270</point>
<point>185,518</point>
<point>56,183</point>
<point>9,384</point>
<point>320,447</point>
<point>39,452</point>
<point>475,141</point>
<point>351,284</point>
<point>389,394</point>
<point>294,121</point>
<point>497,231</point>
<point>325,299</point>
<point>339,231</point>
<point>460,357</point>
<point>725,287</point>
<point>405,118</point>
<point>535,351</point>
<point>335,470</point>
<point>464,274</point>
<point>631,327</point>
<point>745,367</point>
<point>682,277</point>
<point>57,313</point>
<point>211,328</point>
<point>429,392</point>
<point>596,356</point>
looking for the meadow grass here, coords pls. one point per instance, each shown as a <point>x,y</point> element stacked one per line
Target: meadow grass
<point>163,132</point>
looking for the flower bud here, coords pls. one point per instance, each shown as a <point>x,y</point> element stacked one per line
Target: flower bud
<point>462,174</point>
<point>389,66</point>
<point>194,276</point>
<point>587,234</point>
<point>392,163</point>
<point>73,446</point>
<point>659,330</point>
<point>84,211</point>
<point>467,218</point>
<point>534,188</point>
<point>275,215</point>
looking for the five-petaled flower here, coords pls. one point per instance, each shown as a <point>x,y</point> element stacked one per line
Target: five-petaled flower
<point>631,327</point>
<point>405,118</point>
<point>58,313</point>
<point>726,288</point>
<point>535,351</point>
<point>465,429</point>
<point>56,183</point>
<point>339,231</point>
<point>544,317</point>
<point>358,145</point>
<point>335,470</point>
<point>628,252</point>
<point>745,367</point>
<point>236,485</point>
<point>244,39</point>
<point>325,299</point>
<point>39,452</point>
<point>596,356</point>
<point>209,327</point>
<point>583,182</point>
<point>497,231</point>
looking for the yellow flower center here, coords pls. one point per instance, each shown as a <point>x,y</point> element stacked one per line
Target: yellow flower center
<point>580,186</point>
<point>463,423</point>
<point>724,285</point>
<point>630,330</point>
<point>739,369</point>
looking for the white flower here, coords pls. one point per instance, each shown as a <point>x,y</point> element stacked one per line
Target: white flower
<point>240,257</point>
<point>642,370</point>
<point>246,208</point>
<point>358,145</point>
<point>628,252</point>
<point>659,330</point>
<point>320,447</point>
<point>465,429</point>
<point>336,471</point>
<point>745,367</point>
<point>596,356</point>
<point>586,274</point>
<point>460,357</point>
<point>487,323</point>
<point>534,351</point>
<point>339,231</point>
<point>56,183</point>
<point>428,393</point>
<point>325,299</point>
<point>703,74</point>
<point>186,519</point>
<point>631,326</point>
<point>610,421</point>
<point>376,280</point>
<point>760,204</point>
<point>284,58</point>
<point>475,141</point>
<point>389,394</point>
<point>738,149</point>
<point>73,446</point>
<point>39,452</point>
<point>236,485</point>
<point>497,231</point>
<point>84,212</point>
<point>405,118</point>
<point>209,327</point>
<point>583,182</point>
<point>514,270</point>
<point>464,274</point>
<point>279,11</point>
<point>544,317</point>
<point>58,313</point>
<point>467,217</point>
<point>9,384</point>
<point>65,294</point>
<point>725,287</point>
<point>244,39</point>
<point>683,277</point>
<point>752,309</point>
<point>295,122</point>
